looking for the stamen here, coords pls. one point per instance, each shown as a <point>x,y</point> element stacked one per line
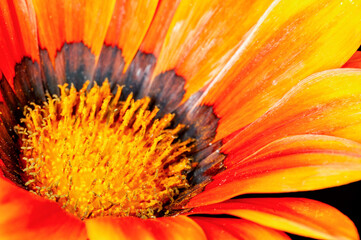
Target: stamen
<point>98,156</point>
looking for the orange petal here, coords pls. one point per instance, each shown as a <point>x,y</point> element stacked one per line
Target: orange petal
<point>25,216</point>
<point>129,24</point>
<point>70,21</point>
<point>136,228</point>
<point>153,40</point>
<point>326,103</point>
<point>203,35</point>
<point>227,228</point>
<point>297,163</point>
<point>294,215</point>
<point>139,72</point>
<point>290,41</point>
<point>18,34</point>
<point>354,61</point>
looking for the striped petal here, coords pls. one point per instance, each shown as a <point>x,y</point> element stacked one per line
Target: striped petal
<point>72,21</point>
<point>203,35</point>
<point>290,41</point>
<point>71,36</point>
<point>137,75</point>
<point>25,216</point>
<point>18,34</point>
<point>228,228</point>
<point>70,39</point>
<point>296,163</point>
<point>136,228</point>
<point>299,216</point>
<point>154,38</point>
<point>326,103</point>
<point>129,24</point>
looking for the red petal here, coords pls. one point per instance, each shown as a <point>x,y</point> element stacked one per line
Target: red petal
<point>354,61</point>
<point>227,228</point>
<point>136,228</point>
<point>25,216</point>
<point>18,34</point>
<point>294,215</point>
<point>297,163</point>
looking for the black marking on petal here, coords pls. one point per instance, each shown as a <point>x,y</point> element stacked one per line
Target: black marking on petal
<point>9,140</point>
<point>12,102</point>
<point>210,163</point>
<point>167,91</point>
<point>8,120</point>
<point>28,82</point>
<point>201,176</point>
<point>208,150</point>
<point>208,167</point>
<point>202,125</point>
<point>74,64</point>
<point>9,155</point>
<point>137,77</point>
<point>79,63</point>
<point>201,120</point>
<point>110,65</point>
<point>177,206</point>
<point>52,77</point>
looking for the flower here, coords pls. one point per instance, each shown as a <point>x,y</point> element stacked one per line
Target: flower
<point>250,84</point>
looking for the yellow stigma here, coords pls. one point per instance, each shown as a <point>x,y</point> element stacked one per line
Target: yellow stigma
<point>98,156</point>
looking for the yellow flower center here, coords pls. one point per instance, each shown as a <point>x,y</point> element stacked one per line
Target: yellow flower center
<point>98,156</point>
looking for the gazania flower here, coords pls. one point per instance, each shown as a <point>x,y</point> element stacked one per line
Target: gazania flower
<point>149,119</point>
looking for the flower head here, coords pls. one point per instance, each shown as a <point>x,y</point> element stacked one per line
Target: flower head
<point>145,119</point>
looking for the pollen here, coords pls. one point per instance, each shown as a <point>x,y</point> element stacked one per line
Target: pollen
<point>98,156</point>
